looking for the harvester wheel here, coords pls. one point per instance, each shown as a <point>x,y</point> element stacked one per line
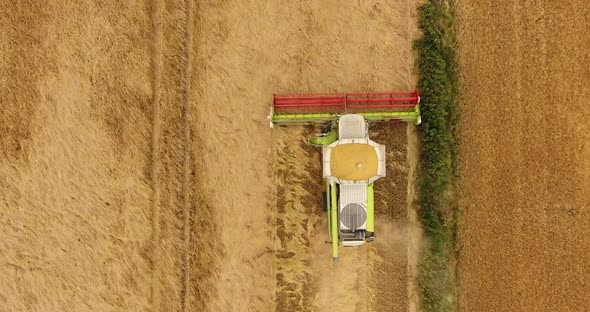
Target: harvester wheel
<point>324,202</point>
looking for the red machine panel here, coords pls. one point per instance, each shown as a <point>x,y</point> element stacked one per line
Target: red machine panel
<point>381,101</point>
<point>307,103</point>
<point>345,103</point>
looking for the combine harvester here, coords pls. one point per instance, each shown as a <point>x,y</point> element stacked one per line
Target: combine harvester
<point>351,161</point>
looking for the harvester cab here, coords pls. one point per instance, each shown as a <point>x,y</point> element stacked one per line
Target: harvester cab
<point>351,161</point>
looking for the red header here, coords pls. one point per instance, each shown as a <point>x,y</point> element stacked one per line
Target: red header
<point>343,103</point>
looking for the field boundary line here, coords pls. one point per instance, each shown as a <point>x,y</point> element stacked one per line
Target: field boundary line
<point>156,9</point>
<point>186,110</point>
<point>410,43</point>
<point>414,228</point>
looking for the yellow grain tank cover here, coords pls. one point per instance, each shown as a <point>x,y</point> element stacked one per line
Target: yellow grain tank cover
<point>353,162</point>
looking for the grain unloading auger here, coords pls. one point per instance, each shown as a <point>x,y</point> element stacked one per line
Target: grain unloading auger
<point>351,161</point>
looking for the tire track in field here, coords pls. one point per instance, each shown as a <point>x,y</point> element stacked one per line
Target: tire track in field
<point>186,205</point>
<point>155,149</point>
<point>414,230</point>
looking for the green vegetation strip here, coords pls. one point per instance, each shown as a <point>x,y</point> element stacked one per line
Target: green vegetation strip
<point>438,203</point>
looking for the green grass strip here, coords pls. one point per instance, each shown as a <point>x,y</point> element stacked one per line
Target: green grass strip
<point>439,89</point>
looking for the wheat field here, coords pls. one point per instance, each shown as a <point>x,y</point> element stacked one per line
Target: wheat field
<point>524,152</point>
<point>138,171</point>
